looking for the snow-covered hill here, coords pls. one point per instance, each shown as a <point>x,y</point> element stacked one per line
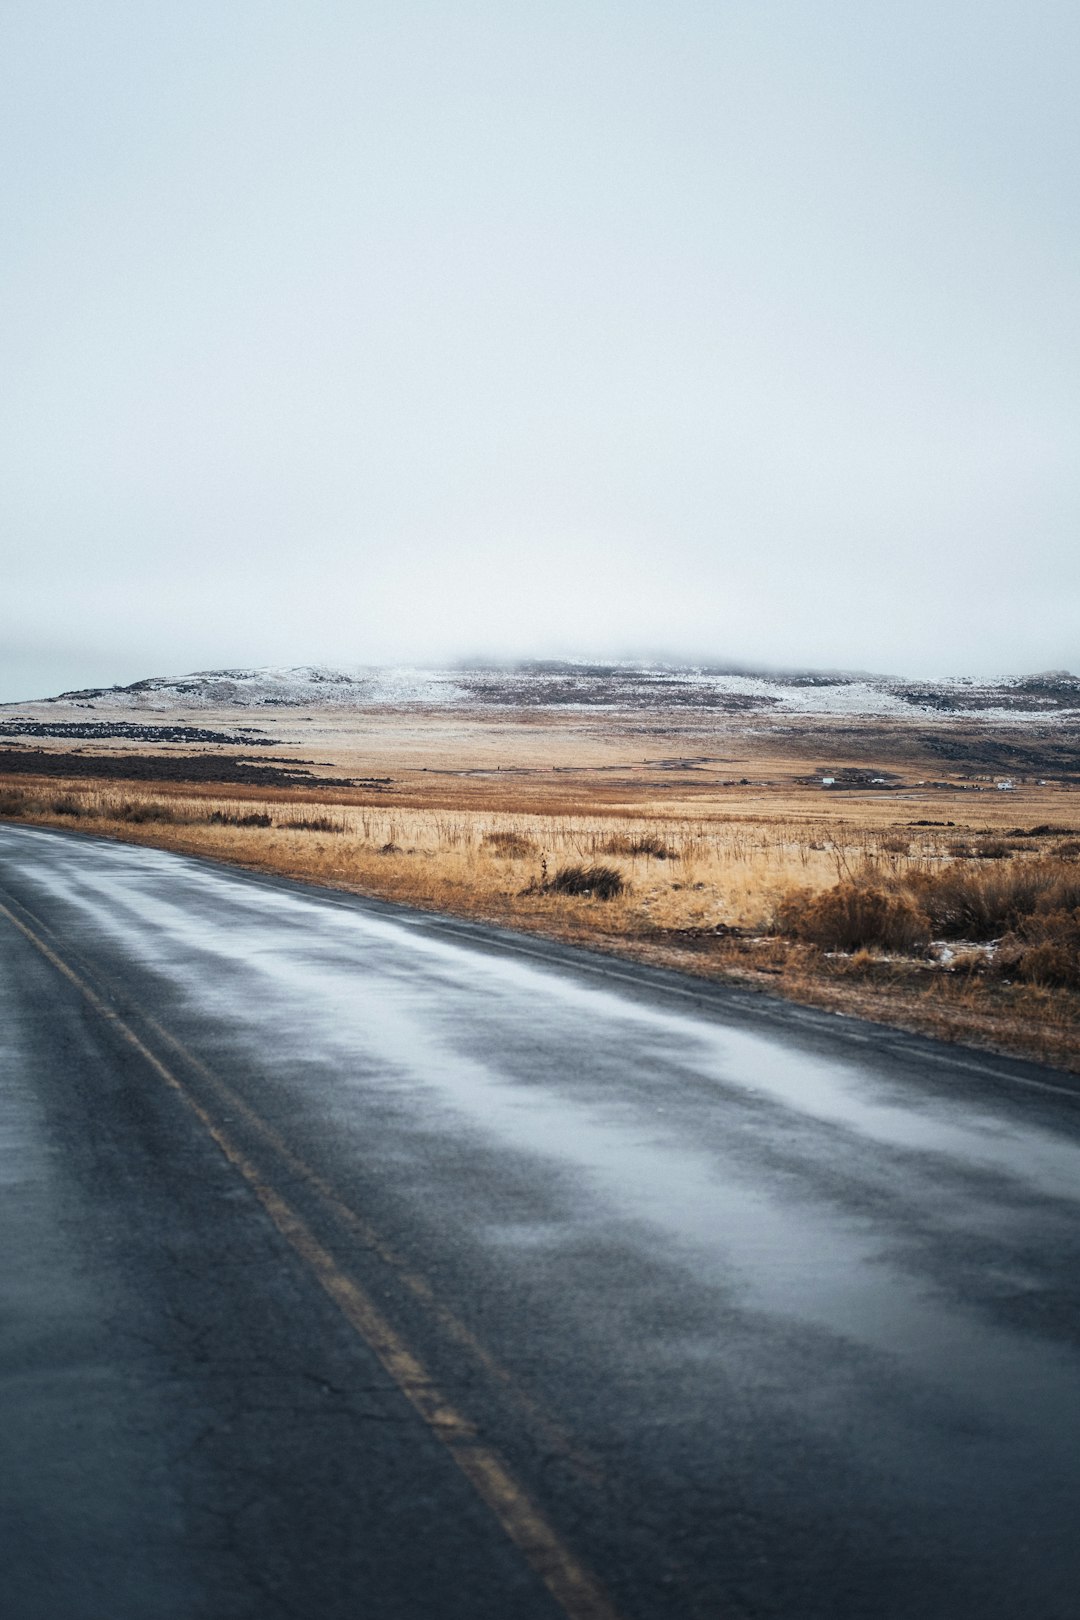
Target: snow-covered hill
<point>304,686</point>
<point>590,686</point>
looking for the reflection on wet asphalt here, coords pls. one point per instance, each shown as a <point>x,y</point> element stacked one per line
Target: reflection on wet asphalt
<point>801,1295</point>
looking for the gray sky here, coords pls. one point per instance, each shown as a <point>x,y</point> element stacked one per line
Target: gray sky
<point>359,332</point>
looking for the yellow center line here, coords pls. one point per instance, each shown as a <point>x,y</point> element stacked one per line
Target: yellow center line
<point>232,1105</point>
<point>554,1437</point>
<point>570,1584</point>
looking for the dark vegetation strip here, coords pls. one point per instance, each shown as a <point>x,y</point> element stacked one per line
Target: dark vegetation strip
<point>220,768</point>
<point>15,802</point>
<point>129,731</point>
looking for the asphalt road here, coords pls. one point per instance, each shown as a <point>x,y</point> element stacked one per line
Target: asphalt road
<point>363,1263</point>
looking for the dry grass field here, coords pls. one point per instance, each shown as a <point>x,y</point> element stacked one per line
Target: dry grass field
<point>943,905</point>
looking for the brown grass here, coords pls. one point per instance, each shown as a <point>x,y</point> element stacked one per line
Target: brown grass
<point>832,905</point>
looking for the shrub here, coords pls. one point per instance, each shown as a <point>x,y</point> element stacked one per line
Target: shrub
<point>1054,965</point>
<point>513,845</point>
<point>321,824</point>
<point>66,806</point>
<point>390,848</point>
<point>966,904</point>
<point>138,813</point>
<point>225,818</point>
<point>12,804</point>
<point>1054,927</point>
<point>1062,891</point>
<point>601,882</point>
<point>645,844</point>
<point>1045,951</point>
<point>853,916</point>
<point>984,849</point>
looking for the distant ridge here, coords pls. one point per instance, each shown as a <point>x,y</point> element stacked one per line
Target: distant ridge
<point>551,684</point>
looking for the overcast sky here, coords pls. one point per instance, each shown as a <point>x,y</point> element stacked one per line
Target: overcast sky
<point>336,331</point>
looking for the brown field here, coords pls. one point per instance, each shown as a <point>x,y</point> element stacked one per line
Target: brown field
<point>930,900</point>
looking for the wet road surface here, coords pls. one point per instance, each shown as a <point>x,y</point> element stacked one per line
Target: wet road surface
<point>359,1262</point>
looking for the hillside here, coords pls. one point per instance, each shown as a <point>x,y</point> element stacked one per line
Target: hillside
<point>618,687</point>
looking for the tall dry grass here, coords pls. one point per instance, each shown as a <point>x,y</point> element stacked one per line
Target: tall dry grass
<point>769,899</point>
<point>673,871</point>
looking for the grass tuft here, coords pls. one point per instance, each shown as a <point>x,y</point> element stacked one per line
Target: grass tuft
<point>599,882</point>
<point>644,844</point>
<point>140,811</point>
<point>512,845</point>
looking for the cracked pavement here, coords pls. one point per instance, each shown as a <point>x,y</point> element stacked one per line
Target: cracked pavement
<point>767,1313</point>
